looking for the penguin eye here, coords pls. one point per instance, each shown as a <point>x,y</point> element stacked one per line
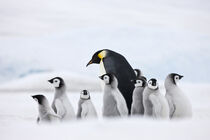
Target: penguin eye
<point>138,81</point>
<point>176,77</point>
<point>106,77</point>
<point>150,82</point>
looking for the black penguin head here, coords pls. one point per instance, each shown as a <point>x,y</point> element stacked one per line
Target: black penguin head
<point>97,57</point>
<point>57,82</point>
<point>140,82</point>
<point>107,78</point>
<point>153,84</point>
<point>85,95</point>
<point>39,98</point>
<point>174,77</point>
<point>137,72</point>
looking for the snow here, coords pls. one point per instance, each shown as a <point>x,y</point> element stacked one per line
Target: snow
<point>18,114</point>
<point>41,39</point>
<point>39,82</point>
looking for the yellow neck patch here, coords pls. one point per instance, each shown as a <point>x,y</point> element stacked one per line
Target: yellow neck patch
<point>102,54</point>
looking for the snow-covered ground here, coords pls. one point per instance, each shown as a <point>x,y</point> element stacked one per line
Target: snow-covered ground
<point>40,39</point>
<point>18,114</point>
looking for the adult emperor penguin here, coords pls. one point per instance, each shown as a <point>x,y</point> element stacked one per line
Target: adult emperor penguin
<point>61,104</point>
<point>137,107</point>
<point>115,63</point>
<point>86,108</point>
<point>46,113</point>
<point>113,102</point>
<point>155,104</point>
<point>180,106</point>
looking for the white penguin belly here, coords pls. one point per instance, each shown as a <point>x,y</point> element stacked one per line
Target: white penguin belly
<point>102,68</point>
<point>88,110</point>
<point>69,114</point>
<point>183,107</point>
<point>110,106</point>
<point>102,72</point>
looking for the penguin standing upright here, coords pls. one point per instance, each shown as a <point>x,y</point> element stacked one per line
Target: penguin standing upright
<point>115,63</point>
<point>86,108</point>
<point>61,104</point>
<point>46,113</point>
<point>113,102</point>
<point>137,107</point>
<point>155,104</point>
<point>180,106</point>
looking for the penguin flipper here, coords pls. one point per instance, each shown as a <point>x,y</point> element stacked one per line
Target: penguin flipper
<point>60,108</point>
<point>55,115</point>
<point>172,106</point>
<point>37,120</point>
<point>84,111</point>
<point>133,110</point>
<point>121,103</point>
<point>79,110</point>
<point>156,106</point>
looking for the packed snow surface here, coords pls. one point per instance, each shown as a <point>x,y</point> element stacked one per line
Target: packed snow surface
<point>18,112</point>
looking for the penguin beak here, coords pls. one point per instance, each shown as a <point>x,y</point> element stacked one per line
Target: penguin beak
<point>181,76</point>
<point>101,77</point>
<point>132,81</point>
<point>50,81</point>
<point>90,62</point>
<point>34,98</point>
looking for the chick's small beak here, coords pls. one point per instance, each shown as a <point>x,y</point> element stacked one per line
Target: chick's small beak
<point>50,81</point>
<point>181,76</point>
<point>101,77</point>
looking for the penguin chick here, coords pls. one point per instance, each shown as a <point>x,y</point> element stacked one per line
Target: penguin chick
<point>114,103</point>
<point>61,104</point>
<point>180,106</point>
<point>155,104</point>
<point>46,113</point>
<point>137,107</point>
<point>138,73</point>
<point>86,108</point>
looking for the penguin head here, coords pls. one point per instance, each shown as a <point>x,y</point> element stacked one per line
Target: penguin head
<point>39,98</point>
<point>140,82</point>
<point>57,82</point>
<point>107,78</point>
<point>97,57</point>
<point>138,72</point>
<point>153,84</point>
<point>84,95</point>
<point>174,78</point>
